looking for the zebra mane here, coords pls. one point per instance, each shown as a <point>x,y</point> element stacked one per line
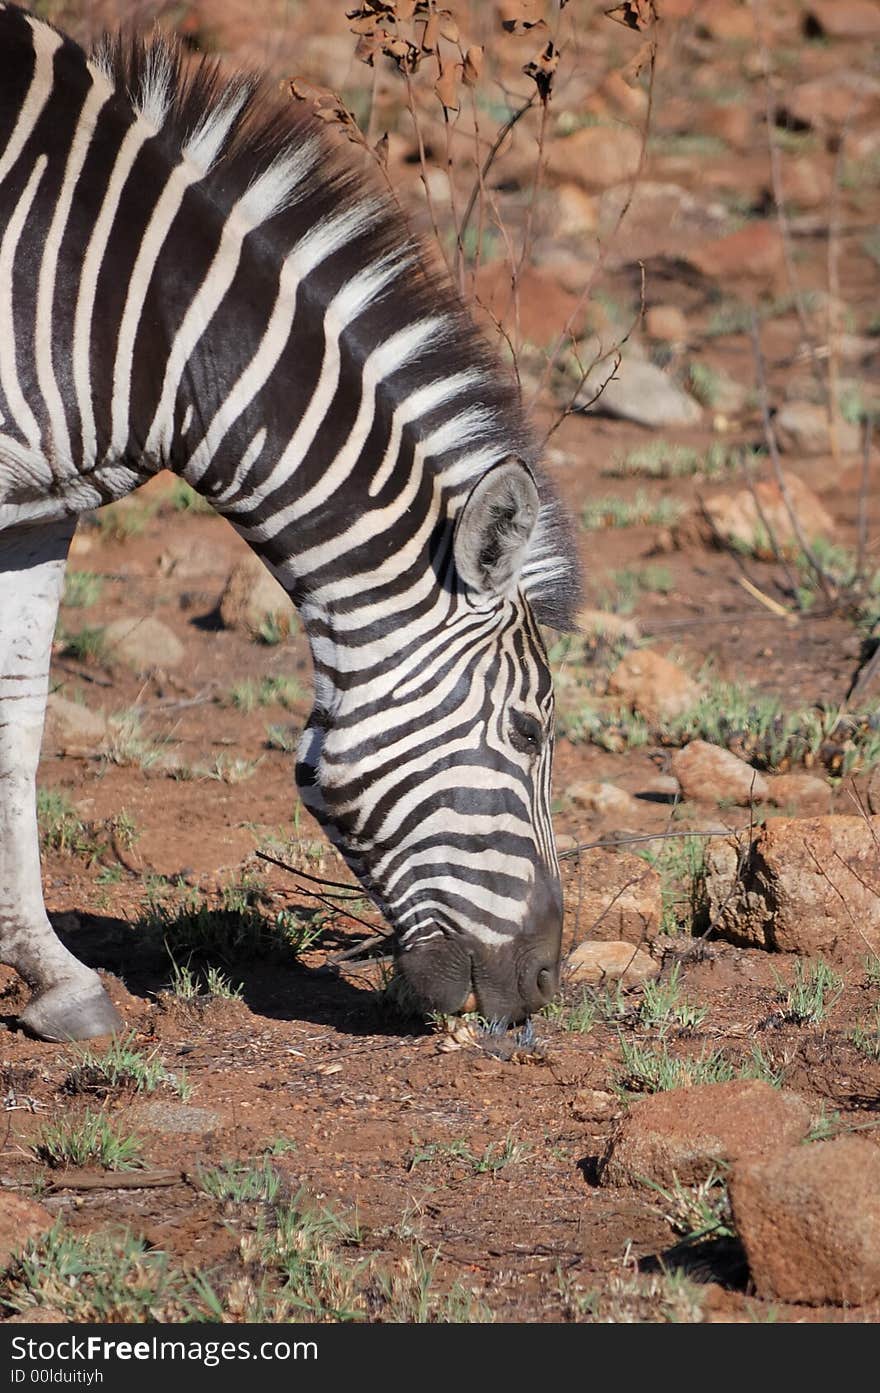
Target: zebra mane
<point>277,162</point>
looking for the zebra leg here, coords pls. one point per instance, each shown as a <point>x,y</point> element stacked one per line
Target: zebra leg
<point>68,1002</point>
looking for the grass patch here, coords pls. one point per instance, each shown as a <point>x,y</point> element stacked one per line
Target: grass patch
<point>123,1067</point>
<point>284,738</point>
<point>237,1183</point>
<point>495,1158</point>
<point>266,691</point>
<point>680,863</point>
<point>662,1005</point>
<point>815,990</point>
<point>238,927</point>
<point>641,511</point>
<point>631,583</point>
<point>81,589</point>
<point>89,645</point>
<point>126,744</point>
<point>203,983</point>
<point>119,522</point>
<point>108,1276</point>
<point>182,498</point>
<point>866,1035</point>
<point>650,1068</point>
<point>697,1212</point>
<point>91,1140</point>
<point>60,826</point>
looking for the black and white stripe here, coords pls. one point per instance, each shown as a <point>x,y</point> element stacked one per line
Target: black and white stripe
<point>192,278</point>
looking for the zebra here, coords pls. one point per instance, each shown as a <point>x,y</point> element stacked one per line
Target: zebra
<point>193,276</point>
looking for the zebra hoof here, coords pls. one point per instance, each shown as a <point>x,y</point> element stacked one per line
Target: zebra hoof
<point>63,1013</point>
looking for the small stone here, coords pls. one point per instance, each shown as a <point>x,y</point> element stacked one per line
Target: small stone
<point>755,250</point>
<point>539,305</point>
<point>639,392</point>
<point>606,800</point>
<point>809,1220</point>
<point>844,19</point>
<point>685,1134</point>
<point>730,122</point>
<point>576,211</point>
<point>725,20</point>
<point>619,896</point>
<point>604,624</point>
<point>709,774</point>
<point>21,1219</point>
<point>72,728</point>
<point>180,1119</point>
<point>252,597</point>
<point>596,157</point>
<point>742,519</point>
<point>803,792</point>
<point>653,686</point>
<point>805,183</point>
<point>142,643</point>
<point>594,963</point>
<point>666,323</point>
<point>834,100</point>
<point>802,428</point>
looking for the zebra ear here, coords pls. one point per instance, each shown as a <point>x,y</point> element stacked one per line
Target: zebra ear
<point>494,527</point>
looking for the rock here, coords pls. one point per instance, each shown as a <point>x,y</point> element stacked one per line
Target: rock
<point>663,788</point>
<point>737,519</point>
<point>180,1119</point>
<point>619,896</point>
<point>687,1133</point>
<point>666,323</point>
<point>803,792</point>
<point>576,211</point>
<point>725,20</point>
<point>844,19</point>
<point>616,94</point>
<point>730,122</point>
<point>805,885</point>
<point>755,250</point>
<point>709,774</point>
<point>540,307</point>
<point>21,1219</point>
<point>802,428</point>
<point>834,100</point>
<point>604,799</point>
<point>805,184</point>
<point>639,392</point>
<point>596,157</point>
<point>71,728</point>
<point>658,689</point>
<point>82,543</point>
<point>809,1220</point>
<point>188,558</point>
<point>251,597</point>
<point>594,963</point>
<point>142,643</point>
<point>603,623</point>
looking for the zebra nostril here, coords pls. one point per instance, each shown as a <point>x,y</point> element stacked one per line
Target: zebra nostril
<point>545,982</point>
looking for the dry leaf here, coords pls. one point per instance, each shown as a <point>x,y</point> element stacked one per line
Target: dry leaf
<point>446,86</point>
<point>473,65</point>
<point>380,150</point>
<point>327,1069</point>
<point>448,28</point>
<point>542,70</point>
<point>519,16</point>
<point>635,14</point>
<point>429,37</point>
<point>634,68</point>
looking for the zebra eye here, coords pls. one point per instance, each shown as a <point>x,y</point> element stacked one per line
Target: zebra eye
<point>525,733</point>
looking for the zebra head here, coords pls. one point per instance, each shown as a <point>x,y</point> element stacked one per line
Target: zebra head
<point>429,768</point>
